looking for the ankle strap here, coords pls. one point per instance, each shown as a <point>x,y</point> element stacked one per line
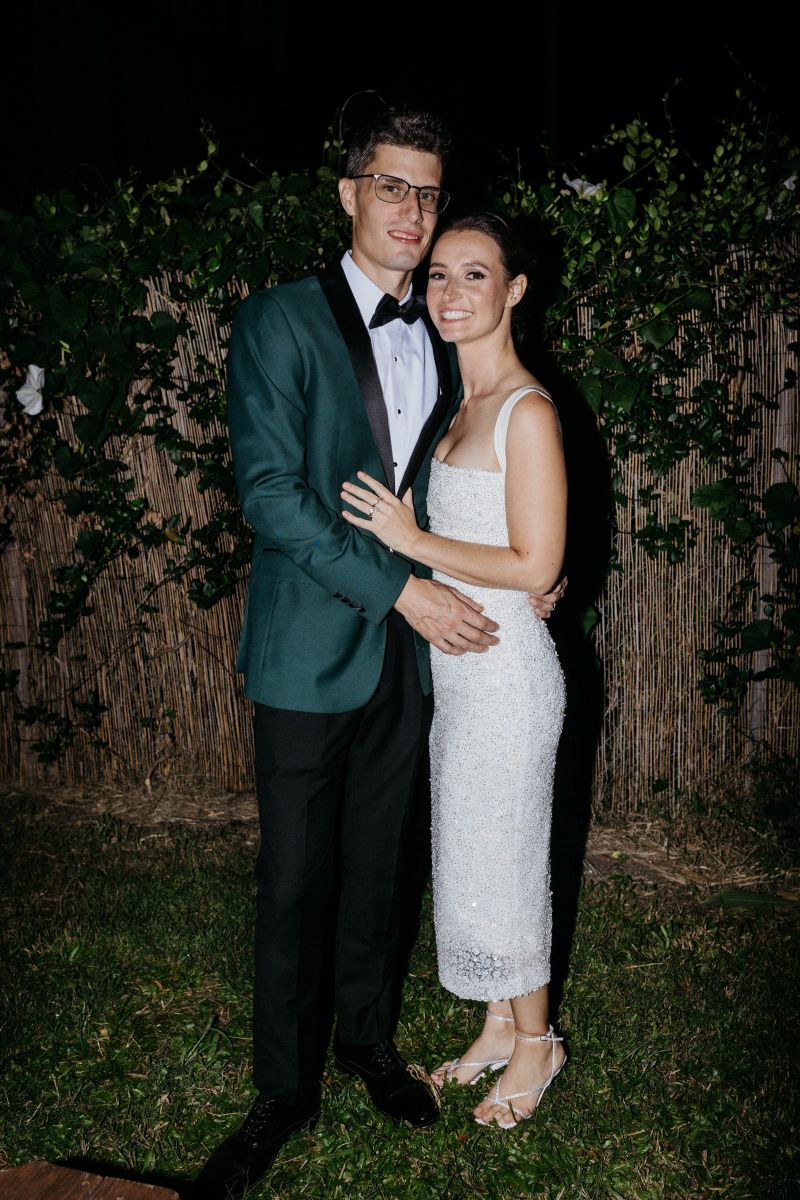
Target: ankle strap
<point>497,1016</point>
<point>550,1036</point>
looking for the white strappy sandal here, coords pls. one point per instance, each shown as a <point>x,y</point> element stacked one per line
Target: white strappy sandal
<point>493,1064</point>
<point>538,1092</point>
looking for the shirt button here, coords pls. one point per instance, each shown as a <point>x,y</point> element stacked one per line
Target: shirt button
<point>394,464</point>
<point>395,358</point>
<point>399,412</point>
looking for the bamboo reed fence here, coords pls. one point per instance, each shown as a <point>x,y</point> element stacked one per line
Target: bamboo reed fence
<point>654,617</point>
<point>176,708</point>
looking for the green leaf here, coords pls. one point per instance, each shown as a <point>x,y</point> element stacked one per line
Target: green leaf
<point>620,209</point>
<point>298,185</point>
<point>607,361</point>
<point>90,254</point>
<point>658,331</point>
<point>255,211</point>
<point>165,329</point>
<point>134,329</point>
<point>791,619</point>
<point>758,635</point>
<point>68,462</point>
<point>589,618</point>
<point>68,314</point>
<point>87,428</point>
<point>700,299</point>
<point>781,504</point>
<point>31,292</point>
<point>716,497</point>
<point>738,529</point>
<point>591,388</point>
<point>90,544</point>
<point>624,392</point>
<point>96,395</point>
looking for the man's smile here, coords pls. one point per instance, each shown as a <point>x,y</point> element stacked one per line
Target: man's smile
<point>404,235</point>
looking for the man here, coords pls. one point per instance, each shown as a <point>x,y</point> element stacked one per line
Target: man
<point>327,376</point>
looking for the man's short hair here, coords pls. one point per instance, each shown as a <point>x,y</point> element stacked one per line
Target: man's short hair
<point>411,130</point>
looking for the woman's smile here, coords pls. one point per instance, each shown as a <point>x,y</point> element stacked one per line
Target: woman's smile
<point>454,314</point>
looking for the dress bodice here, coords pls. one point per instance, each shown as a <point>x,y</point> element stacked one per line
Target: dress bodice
<point>469,504</point>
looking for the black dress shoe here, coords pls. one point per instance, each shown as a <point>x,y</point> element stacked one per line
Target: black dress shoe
<point>393,1088</point>
<point>242,1159</point>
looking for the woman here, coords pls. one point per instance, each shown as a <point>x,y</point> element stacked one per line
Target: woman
<point>497,505</point>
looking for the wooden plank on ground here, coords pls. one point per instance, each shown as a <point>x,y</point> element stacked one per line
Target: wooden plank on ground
<point>44,1181</point>
<point>41,1181</point>
<point>126,1189</point>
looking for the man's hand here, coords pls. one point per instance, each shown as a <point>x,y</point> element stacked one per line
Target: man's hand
<point>543,605</point>
<point>446,618</point>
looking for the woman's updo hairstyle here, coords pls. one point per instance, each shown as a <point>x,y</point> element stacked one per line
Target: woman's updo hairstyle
<point>515,258</point>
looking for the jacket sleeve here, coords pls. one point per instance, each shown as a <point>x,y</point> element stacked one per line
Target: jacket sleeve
<point>267,415</point>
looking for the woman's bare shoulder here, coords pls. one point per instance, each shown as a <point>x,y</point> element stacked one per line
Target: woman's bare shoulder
<point>534,430</point>
<point>534,410</point>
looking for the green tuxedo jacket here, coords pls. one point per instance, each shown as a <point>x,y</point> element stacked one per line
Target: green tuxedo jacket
<point>305,412</point>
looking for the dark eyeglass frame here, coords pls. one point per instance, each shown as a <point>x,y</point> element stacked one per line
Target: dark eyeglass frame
<point>442,197</point>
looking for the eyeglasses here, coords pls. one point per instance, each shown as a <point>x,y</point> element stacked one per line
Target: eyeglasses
<point>394,191</point>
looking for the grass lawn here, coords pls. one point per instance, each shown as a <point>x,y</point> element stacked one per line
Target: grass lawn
<point>125,1000</point>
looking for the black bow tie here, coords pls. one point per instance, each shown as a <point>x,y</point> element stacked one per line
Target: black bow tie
<point>389,309</point>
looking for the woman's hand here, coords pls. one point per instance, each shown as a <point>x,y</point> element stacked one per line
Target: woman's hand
<point>390,519</point>
<point>543,606</point>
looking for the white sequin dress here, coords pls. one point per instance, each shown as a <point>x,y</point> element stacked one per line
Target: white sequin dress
<point>497,722</point>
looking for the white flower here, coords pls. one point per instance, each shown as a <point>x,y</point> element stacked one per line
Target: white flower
<point>790,183</point>
<point>30,396</point>
<point>582,186</point>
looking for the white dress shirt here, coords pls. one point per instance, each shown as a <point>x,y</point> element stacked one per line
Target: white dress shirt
<point>406,367</point>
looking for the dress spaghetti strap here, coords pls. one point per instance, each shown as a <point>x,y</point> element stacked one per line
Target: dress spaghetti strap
<point>504,416</point>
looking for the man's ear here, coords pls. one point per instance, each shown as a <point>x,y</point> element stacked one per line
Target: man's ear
<point>347,195</point>
<point>516,290</point>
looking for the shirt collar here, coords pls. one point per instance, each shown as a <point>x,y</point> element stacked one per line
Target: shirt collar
<point>365,293</point>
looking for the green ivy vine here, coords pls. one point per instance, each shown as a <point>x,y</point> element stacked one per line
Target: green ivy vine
<point>644,248</point>
<point>670,259</point>
<point>72,291</point>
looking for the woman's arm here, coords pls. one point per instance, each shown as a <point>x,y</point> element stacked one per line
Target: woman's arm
<point>536,512</point>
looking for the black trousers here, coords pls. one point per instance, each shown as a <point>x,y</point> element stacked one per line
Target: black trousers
<point>335,794</point>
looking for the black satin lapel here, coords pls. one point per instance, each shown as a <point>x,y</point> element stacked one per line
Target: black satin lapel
<point>440,409</point>
<point>346,313</point>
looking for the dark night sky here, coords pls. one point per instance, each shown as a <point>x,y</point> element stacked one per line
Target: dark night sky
<point>92,90</point>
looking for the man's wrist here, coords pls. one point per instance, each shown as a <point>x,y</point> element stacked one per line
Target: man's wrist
<point>405,600</point>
